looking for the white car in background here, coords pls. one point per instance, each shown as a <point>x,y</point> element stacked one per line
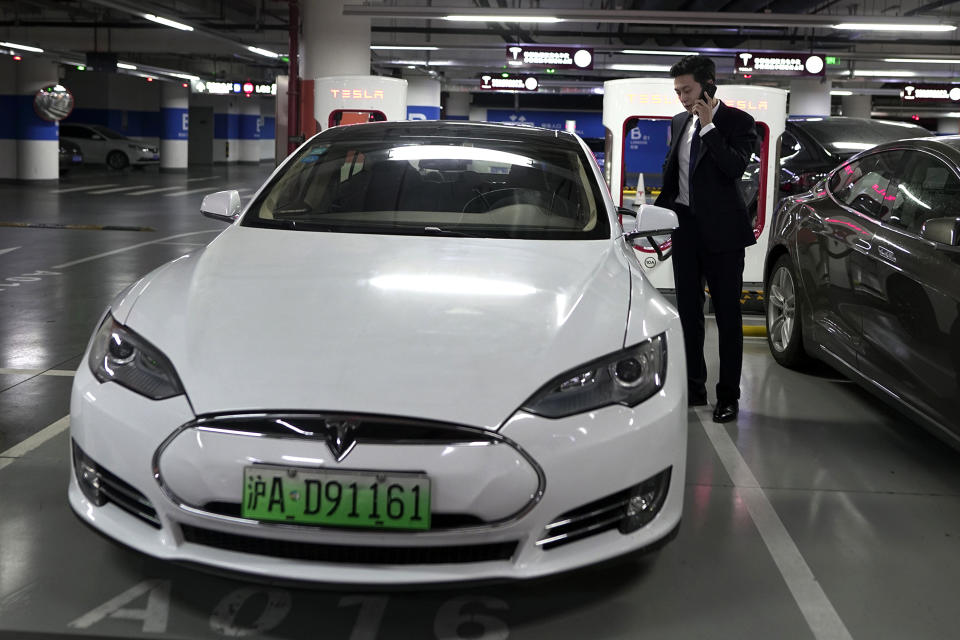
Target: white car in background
<point>103,145</point>
<point>425,352</point>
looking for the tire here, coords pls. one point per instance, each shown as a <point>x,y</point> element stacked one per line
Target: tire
<point>784,317</point>
<point>117,160</point>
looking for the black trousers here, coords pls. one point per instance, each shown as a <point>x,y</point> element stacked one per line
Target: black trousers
<point>694,265</point>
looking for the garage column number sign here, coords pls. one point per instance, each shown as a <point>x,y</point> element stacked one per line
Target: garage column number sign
<point>527,55</point>
<point>779,64</point>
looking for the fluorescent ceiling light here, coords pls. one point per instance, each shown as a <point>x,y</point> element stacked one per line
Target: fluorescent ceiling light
<point>167,22</point>
<point>922,60</point>
<point>840,92</point>
<point>429,63</point>
<point>658,68</point>
<point>263,52</point>
<point>503,18</point>
<point>126,65</point>
<point>398,48</point>
<point>952,114</point>
<point>645,52</point>
<point>892,26</point>
<point>14,45</point>
<point>182,76</point>
<point>873,73</point>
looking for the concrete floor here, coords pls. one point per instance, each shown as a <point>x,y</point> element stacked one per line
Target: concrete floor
<point>818,514</point>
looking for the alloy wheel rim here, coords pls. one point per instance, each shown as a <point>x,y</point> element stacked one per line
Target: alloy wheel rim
<point>781,312</point>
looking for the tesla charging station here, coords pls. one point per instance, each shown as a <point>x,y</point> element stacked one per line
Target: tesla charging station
<point>343,100</point>
<point>637,114</point>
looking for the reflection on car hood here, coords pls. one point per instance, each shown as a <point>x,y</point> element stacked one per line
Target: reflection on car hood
<point>454,329</point>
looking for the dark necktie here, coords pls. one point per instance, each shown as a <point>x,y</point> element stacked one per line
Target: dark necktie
<point>694,152</point>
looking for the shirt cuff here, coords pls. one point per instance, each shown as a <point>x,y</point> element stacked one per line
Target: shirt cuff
<point>707,129</point>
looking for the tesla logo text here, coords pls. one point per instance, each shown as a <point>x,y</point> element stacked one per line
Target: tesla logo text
<point>357,94</point>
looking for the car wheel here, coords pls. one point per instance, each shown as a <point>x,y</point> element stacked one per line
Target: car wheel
<point>117,160</point>
<point>784,320</point>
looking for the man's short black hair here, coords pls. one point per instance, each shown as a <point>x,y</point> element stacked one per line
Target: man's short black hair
<point>701,67</point>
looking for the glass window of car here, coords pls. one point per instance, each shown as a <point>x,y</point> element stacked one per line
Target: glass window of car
<point>864,185</point>
<point>109,134</point>
<point>928,189</point>
<point>789,146</point>
<point>434,184</point>
<point>73,131</point>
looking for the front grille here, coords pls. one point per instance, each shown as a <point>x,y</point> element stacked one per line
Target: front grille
<point>602,515</point>
<point>437,520</point>
<point>110,488</point>
<point>365,428</point>
<point>345,554</point>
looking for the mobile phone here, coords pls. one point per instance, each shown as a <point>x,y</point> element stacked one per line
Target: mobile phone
<point>709,90</point>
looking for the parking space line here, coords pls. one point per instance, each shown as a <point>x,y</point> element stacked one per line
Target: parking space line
<point>130,248</point>
<point>184,193</point>
<point>17,451</point>
<point>118,189</point>
<point>149,191</point>
<point>38,372</point>
<point>198,179</point>
<point>84,188</point>
<point>817,610</point>
<point>3,251</point>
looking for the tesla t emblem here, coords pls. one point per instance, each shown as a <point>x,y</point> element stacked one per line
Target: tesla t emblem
<point>341,437</point>
<point>515,51</point>
<point>746,59</point>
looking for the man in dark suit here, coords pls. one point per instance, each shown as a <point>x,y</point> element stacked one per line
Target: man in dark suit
<point>709,149</point>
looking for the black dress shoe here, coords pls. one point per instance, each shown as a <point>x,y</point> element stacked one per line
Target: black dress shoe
<point>726,411</point>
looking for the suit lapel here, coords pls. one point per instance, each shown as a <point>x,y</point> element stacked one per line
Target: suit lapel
<point>703,147</point>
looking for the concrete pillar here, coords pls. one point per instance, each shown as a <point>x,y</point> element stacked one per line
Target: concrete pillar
<point>38,141</point>
<point>8,122</point>
<point>226,130</point>
<point>249,143</point>
<point>458,106</point>
<point>423,99</point>
<point>809,97</point>
<point>478,114</point>
<point>948,126</point>
<point>332,44</point>
<point>174,126</point>
<point>268,128</point>
<point>856,106</point>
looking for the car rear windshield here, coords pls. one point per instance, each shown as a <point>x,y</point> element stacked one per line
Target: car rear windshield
<point>846,137</point>
<point>434,185</point>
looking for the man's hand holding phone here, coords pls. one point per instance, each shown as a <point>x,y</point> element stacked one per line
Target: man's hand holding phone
<point>703,107</point>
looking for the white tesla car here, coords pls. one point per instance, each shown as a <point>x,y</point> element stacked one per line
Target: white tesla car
<point>425,352</point>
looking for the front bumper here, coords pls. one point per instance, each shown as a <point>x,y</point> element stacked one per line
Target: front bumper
<point>582,461</point>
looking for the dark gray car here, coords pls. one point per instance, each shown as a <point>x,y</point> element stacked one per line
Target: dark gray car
<point>863,272</point>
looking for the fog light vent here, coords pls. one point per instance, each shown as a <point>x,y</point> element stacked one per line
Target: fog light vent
<point>100,486</point>
<point>626,511</point>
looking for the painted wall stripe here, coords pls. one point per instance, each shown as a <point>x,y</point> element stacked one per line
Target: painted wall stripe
<point>821,617</point>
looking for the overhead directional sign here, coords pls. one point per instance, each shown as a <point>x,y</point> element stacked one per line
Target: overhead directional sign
<point>533,55</point>
<point>755,63</point>
<point>490,82</point>
<point>947,93</point>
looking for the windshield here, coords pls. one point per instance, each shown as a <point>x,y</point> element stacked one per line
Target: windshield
<point>847,136</point>
<point>109,133</point>
<point>423,185</point>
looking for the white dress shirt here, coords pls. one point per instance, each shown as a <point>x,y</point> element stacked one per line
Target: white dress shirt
<point>683,156</point>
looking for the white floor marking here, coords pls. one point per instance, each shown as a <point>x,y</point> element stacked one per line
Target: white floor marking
<point>11,455</point>
<point>118,189</point>
<point>38,372</point>
<point>184,193</point>
<point>816,608</point>
<point>149,191</point>
<point>198,179</point>
<point>86,188</point>
<point>130,248</point>
<point>3,251</point>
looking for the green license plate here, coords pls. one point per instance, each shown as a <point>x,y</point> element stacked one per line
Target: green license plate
<point>364,499</point>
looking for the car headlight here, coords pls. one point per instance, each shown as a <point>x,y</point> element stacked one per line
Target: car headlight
<point>627,377</point>
<point>120,355</point>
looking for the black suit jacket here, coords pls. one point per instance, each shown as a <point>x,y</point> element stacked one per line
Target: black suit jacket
<point>718,214</point>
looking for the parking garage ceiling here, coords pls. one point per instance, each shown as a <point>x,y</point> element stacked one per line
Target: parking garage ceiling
<point>648,33</point>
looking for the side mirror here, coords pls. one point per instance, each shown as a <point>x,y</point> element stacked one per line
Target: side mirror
<point>942,230</point>
<point>222,205</point>
<point>653,221</point>
<point>628,218</point>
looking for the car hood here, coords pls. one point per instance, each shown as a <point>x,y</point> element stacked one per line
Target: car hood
<point>461,330</point>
